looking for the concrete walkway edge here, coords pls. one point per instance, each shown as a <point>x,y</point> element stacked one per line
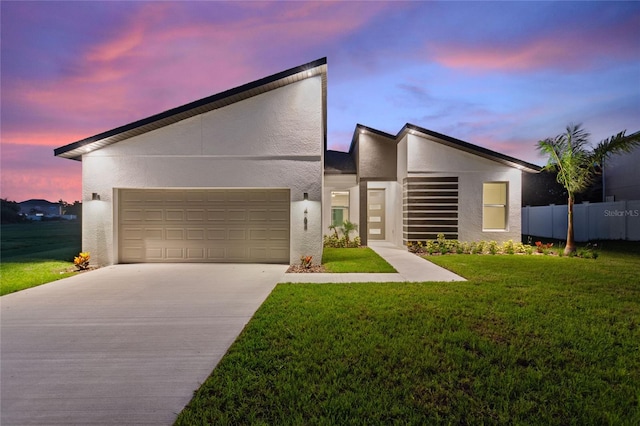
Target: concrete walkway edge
<point>411,268</point>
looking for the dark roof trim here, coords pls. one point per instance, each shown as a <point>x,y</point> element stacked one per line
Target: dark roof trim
<point>451,142</point>
<point>318,67</point>
<point>361,128</point>
<point>471,148</point>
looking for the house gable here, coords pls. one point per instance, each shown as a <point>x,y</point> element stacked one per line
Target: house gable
<point>76,149</point>
<point>236,177</point>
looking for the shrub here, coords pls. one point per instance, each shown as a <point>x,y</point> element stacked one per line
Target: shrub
<point>493,247</point>
<point>431,247</point>
<point>543,248</point>
<point>306,261</point>
<point>508,247</point>
<point>81,261</point>
<point>334,240</point>
<point>415,247</point>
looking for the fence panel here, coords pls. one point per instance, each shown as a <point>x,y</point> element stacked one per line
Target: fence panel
<point>618,220</point>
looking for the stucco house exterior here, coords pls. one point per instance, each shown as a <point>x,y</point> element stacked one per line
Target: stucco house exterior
<point>417,184</point>
<point>241,176</point>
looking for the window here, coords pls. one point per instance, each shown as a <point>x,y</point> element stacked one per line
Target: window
<point>494,206</point>
<point>339,207</point>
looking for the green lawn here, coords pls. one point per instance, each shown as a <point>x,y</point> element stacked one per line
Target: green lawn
<point>354,260</point>
<point>37,252</point>
<point>527,340</point>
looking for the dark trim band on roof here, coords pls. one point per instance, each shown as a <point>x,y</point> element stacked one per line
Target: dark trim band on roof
<point>448,141</point>
<point>318,67</point>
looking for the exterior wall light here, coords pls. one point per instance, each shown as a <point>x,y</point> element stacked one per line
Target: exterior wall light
<point>95,196</point>
<point>305,197</point>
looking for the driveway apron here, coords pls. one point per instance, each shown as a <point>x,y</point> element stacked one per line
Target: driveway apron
<point>124,344</point>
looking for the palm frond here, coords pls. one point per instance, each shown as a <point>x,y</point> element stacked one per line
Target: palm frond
<point>616,144</point>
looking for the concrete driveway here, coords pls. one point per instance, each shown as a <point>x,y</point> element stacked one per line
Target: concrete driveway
<point>125,344</point>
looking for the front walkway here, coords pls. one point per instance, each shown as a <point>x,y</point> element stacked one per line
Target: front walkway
<point>410,267</point>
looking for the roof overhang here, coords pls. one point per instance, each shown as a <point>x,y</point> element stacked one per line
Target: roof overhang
<point>318,67</point>
<point>447,141</point>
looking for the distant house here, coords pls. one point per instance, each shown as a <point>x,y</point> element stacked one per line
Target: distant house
<point>622,177</point>
<point>39,208</point>
<point>245,176</point>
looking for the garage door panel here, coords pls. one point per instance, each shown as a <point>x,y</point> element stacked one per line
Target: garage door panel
<point>153,215</point>
<point>195,215</point>
<point>279,234</point>
<point>236,253</point>
<point>195,234</point>
<point>132,215</point>
<point>237,234</point>
<point>175,233</point>
<point>250,225</point>
<point>216,234</point>
<point>153,254</point>
<point>175,215</point>
<point>236,215</point>
<point>238,196</point>
<point>279,196</point>
<point>174,253</point>
<point>129,233</point>
<point>153,234</point>
<point>196,253</point>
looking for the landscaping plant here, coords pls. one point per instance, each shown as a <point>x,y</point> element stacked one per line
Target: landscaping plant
<point>81,261</point>
<point>576,164</point>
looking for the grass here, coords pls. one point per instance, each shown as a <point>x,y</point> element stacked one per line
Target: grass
<point>354,260</point>
<point>36,253</point>
<point>527,340</point>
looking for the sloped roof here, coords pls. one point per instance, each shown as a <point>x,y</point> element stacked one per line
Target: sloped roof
<point>318,67</point>
<point>450,142</point>
<point>337,163</point>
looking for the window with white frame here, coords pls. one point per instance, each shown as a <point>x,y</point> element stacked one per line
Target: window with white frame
<point>494,206</point>
<point>339,207</point>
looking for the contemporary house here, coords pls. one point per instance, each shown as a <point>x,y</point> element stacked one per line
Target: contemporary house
<point>245,176</point>
<point>417,184</point>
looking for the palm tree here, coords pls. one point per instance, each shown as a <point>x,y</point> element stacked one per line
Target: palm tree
<point>346,228</point>
<point>576,163</point>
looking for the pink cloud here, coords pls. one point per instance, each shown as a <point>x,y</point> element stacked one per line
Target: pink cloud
<point>153,63</point>
<point>561,49</point>
<point>31,171</point>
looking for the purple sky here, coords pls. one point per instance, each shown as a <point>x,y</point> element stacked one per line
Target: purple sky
<point>500,75</point>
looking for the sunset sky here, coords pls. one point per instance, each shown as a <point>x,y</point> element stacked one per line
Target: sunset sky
<point>501,75</point>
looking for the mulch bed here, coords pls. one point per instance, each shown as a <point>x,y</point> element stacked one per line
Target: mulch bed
<point>299,269</point>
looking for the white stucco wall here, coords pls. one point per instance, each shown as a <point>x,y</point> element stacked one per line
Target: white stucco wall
<point>273,140</point>
<point>341,183</point>
<point>425,157</point>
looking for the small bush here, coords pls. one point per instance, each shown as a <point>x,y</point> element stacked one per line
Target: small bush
<point>306,261</point>
<point>508,247</point>
<point>81,261</point>
<point>493,247</point>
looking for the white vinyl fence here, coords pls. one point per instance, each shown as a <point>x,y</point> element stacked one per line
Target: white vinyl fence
<point>619,220</point>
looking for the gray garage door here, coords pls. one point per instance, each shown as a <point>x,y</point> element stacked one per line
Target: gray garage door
<point>203,225</point>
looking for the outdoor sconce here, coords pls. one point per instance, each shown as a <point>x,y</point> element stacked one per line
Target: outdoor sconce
<point>95,196</point>
<point>306,198</point>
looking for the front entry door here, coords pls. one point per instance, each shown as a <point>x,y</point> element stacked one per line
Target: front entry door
<point>375,214</point>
